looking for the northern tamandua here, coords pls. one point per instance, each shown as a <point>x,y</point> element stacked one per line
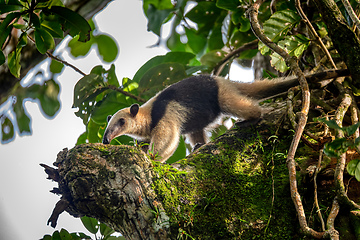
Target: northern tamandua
<point>189,106</point>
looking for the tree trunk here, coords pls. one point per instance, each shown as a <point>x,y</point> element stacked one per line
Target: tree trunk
<point>344,39</point>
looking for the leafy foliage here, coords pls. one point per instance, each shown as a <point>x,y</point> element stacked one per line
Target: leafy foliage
<point>340,145</point>
<point>41,22</point>
<point>92,225</point>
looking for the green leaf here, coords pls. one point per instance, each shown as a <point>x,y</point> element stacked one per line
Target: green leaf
<point>85,92</point>
<point>14,62</point>
<point>92,129</point>
<point>35,20</point>
<point>174,43</point>
<point>277,26</point>
<point>111,77</point>
<point>240,38</point>
<point>74,22</point>
<point>56,236</point>
<point>6,26</point>
<point>179,153</point>
<point>48,97</point>
<point>7,130</point>
<point>337,147</point>
<point>43,40</point>
<point>353,168</point>
<point>278,62</point>
<point>91,224</point>
<point>350,130</point>
<point>204,13</point>
<point>22,118</point>
<point>231,5</point>
<point>46,237</point>
<point>156,18</point>
<point>171,57</point>
<point>107,47</point>
<point>105,230</point>
<point>295,45</point>
<point>84,236</point>
<point>82,138</point>
<point>10,6</point>
<point>80,48</point>
<point>53,27</point>
<point>196,41</point>
<point>109,105</point>
<point>157,78</point>
<point>64,234</point>
<point>161,5</point>
<point>215,39</point>
<point>210,59</point>
<point>56,67</point>
<point>331,123</point>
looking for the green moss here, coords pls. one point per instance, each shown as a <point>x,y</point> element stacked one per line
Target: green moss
<point>229,196</point>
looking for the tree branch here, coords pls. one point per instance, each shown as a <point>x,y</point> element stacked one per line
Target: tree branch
<point>253,12</point>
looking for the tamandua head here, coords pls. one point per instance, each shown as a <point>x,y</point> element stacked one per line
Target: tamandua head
<point>122,122</point>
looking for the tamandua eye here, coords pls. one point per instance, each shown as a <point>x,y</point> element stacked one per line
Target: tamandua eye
<point>121,121</point>
<point>108,118</point>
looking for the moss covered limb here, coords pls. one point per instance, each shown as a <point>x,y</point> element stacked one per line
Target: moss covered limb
<point>235,187</point>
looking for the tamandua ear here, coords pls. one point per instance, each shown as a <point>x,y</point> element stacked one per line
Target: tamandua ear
<point>108,118</point>
<point>134,109</point>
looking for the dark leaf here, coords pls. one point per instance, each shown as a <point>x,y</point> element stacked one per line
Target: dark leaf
<point>43,40</point>
<point>35,20</point>
<point>6,26</point>
<point>156,18</point>
<point>10,6</point>
<point>157,78</point>
<point>91,224</point>
<point>2,57</point>
<point>74,22</point>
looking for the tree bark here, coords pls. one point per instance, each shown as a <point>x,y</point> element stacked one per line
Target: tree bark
<point>344,39</point>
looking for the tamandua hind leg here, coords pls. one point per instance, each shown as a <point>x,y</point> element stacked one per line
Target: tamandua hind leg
<point>197,139</point>
<point>164,141</point>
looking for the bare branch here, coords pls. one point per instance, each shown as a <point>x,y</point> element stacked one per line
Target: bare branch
<point>292,62</point>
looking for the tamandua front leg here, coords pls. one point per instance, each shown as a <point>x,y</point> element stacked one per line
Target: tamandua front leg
<point>165,138</point>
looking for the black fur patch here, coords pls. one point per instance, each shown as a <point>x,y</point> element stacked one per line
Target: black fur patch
<point>198,94</point>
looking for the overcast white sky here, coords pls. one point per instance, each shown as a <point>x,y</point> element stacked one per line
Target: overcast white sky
<point>25,201</point>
